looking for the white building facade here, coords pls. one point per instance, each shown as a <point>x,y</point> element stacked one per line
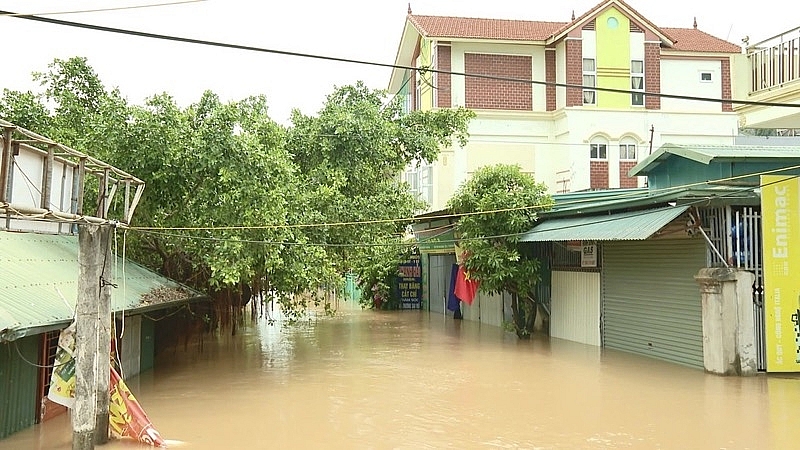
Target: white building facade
<point>571,139</point>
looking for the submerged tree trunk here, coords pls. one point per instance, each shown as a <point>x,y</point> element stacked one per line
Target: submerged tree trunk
<point>524,315</point>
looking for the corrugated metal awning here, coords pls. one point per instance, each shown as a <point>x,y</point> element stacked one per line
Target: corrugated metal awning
<point>39,284</point>
<point>626,226</point>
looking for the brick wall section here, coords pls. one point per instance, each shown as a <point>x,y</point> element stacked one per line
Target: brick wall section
<point>550,77</point>
<point>483,93</point>
<point>624,180</point>
<point>598,174</point>
<point>443,83</point>
<point>574,71</point>
<point>652,74</point>
<point>726,84</point>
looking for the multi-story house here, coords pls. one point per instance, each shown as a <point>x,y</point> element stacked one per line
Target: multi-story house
<point>570,138</point>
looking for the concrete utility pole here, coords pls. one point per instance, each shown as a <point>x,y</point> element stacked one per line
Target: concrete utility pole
<point>90,357</point>
<point>104,338</point>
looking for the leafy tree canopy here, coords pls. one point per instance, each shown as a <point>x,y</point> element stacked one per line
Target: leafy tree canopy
<point>499,204</point>
<point>262,185</point>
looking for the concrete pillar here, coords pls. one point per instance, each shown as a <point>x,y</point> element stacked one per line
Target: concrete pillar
<point>728,327</point>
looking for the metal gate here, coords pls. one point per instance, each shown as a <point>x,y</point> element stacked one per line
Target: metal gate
<point>737,234</point>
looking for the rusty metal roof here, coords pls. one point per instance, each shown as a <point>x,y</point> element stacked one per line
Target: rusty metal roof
<point>39,284</point>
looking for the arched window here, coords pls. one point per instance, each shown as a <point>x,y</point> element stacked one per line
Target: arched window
<point>598,148</point>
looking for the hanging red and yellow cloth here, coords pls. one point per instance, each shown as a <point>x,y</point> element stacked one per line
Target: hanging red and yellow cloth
<point>466,287</point>
<point>126,417</point>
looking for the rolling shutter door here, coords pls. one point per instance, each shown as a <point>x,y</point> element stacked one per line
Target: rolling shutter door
<point>651,302</point>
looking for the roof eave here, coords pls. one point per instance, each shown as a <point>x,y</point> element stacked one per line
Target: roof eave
<point>616,205</point>
<point>665,39</point>
<point>405,49</point>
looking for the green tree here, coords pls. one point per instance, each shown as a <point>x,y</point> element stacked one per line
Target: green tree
<point>350,156</point>
<point>499,203</point>
<point>228,165</point>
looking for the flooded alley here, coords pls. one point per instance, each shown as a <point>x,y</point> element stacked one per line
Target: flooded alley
<point>410,380</point>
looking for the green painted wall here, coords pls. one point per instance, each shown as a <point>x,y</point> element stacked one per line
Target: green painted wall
<point>681,171</point>
<point>148,348</point>
<point>18,384</point>
<point>613,59</point>
<point>351,290</point>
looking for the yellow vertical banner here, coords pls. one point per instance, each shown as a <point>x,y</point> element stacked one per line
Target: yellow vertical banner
<point>780,209</point>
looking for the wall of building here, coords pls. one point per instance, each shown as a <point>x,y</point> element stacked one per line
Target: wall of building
<point>561,74</point>
<point>578,126</point>
<point>499,59</point>
<point>613,58</point>
<point>495,137</point>
<point>26,187</point>
<point>682,76</point>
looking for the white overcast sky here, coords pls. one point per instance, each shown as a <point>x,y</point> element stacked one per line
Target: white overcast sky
<point>358,29</point>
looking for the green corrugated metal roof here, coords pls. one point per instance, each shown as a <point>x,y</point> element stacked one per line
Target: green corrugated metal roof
<point>634,225</point>
<point>706,153</point>
<point>38,269</point>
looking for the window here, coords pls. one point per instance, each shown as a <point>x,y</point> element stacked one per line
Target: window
<point>589,79</point>
<point>418,94</point>
<point>627,152</point>
<point>598,151</point>
<point>419,177</point>
<point>637,83</point>
<point>705,77</point>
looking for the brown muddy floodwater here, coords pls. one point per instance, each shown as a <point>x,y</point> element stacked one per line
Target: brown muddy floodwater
<point>409,380</point>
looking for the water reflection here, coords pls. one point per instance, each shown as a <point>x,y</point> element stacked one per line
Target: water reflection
<point>413,381</point>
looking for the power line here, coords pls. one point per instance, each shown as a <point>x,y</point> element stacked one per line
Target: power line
<point>620,196</point>
<point>116,8</point>
<point>378,64</point>
<point>600,219</point>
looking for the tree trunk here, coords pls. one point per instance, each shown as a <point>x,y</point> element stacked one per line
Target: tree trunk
<point>524,315</point>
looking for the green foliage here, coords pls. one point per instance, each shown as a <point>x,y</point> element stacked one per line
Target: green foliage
<point>500,203</point>
<point>349,157</point>
<point>228,165</point>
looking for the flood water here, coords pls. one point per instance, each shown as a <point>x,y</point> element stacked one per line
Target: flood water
<point>409,380</point>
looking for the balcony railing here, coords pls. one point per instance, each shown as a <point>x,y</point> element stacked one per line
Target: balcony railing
<point>775,61</point>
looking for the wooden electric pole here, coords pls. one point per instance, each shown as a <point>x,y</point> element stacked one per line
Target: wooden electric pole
<point>90,357</point>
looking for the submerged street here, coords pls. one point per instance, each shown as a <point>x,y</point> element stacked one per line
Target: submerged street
<point>410,380</point>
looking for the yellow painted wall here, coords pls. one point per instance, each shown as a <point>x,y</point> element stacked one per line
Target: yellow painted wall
<point>613,59</point>
<point>480,154</point>
<point>425,59</point>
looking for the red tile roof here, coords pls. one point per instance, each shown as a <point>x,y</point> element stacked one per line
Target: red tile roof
<point>463,27</point>
<point>598,7</point>
<point>694,40</point>
<point>685,39</point>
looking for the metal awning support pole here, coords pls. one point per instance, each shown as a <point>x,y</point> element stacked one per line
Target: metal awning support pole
<point>710,244</point>
<point>5,164</point>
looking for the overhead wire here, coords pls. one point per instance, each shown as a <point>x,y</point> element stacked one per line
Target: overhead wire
<point>421,70</point>
<point>620,196</point>
<point>419,241</point>
<point>355,61</point>
<point>113,8</point>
